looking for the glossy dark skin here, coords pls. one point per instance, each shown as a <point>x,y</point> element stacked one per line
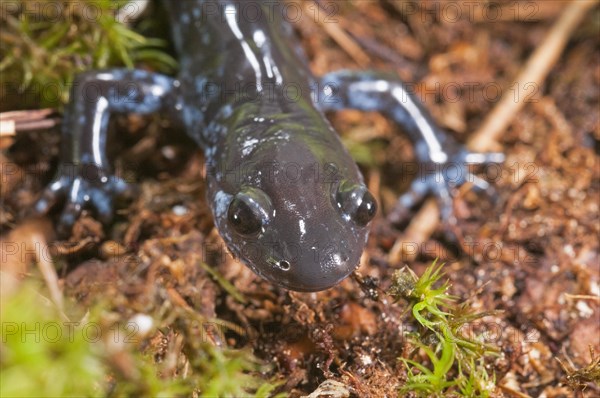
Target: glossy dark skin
<point>286,196</point>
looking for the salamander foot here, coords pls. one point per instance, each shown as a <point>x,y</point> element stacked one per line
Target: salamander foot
<point>80,188</point>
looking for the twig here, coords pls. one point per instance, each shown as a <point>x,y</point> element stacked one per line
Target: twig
<point>345,41</point>
<point>26,114</point>
<point>582,297</point>
<point>535,71</point>
<point>47,270</point>
<point>514,392</point>
<point>17,121</point>
<point>7,128</point>
<point>378,49</point>
<point>422,225</point>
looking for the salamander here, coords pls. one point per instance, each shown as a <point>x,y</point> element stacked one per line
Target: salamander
<point>286,196</point>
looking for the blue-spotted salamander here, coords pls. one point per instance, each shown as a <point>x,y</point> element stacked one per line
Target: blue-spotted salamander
<point>299,214</point>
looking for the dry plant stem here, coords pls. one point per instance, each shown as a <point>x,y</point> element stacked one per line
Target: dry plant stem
<point>535,70</point>
<point>418,231</point>
<point>345,41</point>
<point>16,121</point>
<point>47,270</point>
<point>513,392</point>
<point>36,125</point>
<point>33,236</point>
<point>26,115</point>
<point>582,297</point>
<point>7,128</point>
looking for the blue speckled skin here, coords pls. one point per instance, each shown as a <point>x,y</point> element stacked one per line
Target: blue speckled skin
<point>246,96</point>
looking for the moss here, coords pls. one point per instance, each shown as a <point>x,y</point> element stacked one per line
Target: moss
<point>456,364</point>
<point>46,354</point>
<point>44,44</point>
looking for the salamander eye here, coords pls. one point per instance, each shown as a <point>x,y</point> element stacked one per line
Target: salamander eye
<point>249,211</point>
<point>356,201</point>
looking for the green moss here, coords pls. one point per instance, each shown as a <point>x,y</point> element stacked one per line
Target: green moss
<point>45,354</point>
<point>43,44</point>
<point>455,364</point>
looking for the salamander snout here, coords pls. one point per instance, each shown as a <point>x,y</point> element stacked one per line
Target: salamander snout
<point>306,241</point>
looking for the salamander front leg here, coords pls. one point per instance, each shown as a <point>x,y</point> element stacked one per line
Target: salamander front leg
<point>443,162</point>
<point>84,178</point>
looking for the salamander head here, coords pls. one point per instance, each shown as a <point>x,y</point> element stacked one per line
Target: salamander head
<point>296,220</point>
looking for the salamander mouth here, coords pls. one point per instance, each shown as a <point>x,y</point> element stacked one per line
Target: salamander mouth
<point>320,279</point>
<point>313,287</point>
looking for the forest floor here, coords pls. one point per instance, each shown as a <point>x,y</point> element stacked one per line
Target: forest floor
<point>526,254</point>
